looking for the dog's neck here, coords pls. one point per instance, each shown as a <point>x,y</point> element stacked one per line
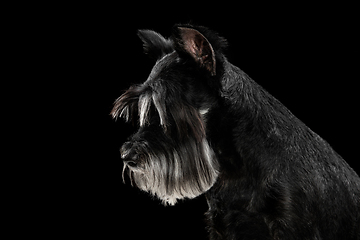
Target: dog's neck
<point>252,107</point>
<point>262,123</point>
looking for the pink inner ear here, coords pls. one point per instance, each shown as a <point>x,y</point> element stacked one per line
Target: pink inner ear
<point>193,49</point>
<point>199,48</point>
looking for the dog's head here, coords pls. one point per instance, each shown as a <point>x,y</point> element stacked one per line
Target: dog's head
<point>170,156</point>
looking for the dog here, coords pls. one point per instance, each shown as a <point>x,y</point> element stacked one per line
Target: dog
<point>205,127</point>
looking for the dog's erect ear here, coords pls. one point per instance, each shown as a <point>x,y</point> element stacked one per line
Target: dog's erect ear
<point>194,43</point>
<point>155,45</point>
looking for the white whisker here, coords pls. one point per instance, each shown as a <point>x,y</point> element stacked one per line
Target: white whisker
<point>123,173</point>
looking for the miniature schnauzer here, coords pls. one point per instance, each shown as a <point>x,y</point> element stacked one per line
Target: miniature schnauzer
<point>205,127</point>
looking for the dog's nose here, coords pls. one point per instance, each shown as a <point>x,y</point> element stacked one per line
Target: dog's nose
<point>125,150</point>
<point>131,155</point>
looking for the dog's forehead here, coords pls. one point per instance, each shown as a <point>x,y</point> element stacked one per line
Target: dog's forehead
<point>161,64</point>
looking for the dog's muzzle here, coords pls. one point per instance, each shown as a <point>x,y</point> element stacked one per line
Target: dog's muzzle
<point>131,156</point>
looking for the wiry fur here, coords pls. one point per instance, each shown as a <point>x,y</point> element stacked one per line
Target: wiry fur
<point>207,127</point>
<point>181,164</point>
<point>186,172</point>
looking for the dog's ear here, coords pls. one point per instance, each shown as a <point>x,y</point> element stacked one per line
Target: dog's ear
<point>199,48</point>
<point>155,45</point>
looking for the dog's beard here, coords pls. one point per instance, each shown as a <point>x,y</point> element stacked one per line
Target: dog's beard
<point>183,172</point>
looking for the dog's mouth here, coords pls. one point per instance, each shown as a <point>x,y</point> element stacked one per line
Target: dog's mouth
<point>130,167</point>
<point>132,164</point>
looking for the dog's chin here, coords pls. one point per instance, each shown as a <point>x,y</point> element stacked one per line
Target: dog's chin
<point>169,178</point>
<point>166,195</point>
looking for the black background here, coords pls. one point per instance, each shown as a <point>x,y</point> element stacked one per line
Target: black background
<point>304,55</point>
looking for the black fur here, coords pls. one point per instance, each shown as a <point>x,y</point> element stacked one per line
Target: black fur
<point>204,122</point>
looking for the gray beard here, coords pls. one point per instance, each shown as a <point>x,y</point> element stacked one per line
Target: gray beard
<point>169,177</point>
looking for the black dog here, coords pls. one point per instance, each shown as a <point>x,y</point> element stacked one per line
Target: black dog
<point>206,127</point>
